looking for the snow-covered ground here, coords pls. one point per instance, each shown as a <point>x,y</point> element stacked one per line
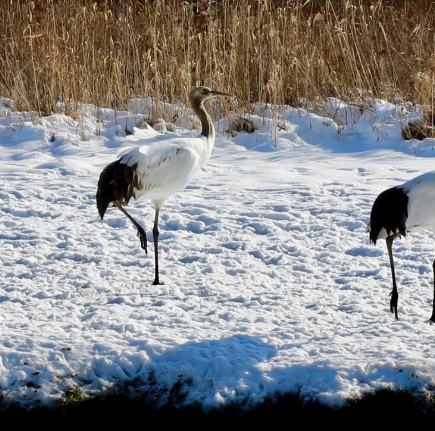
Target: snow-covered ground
<point>270,282</point>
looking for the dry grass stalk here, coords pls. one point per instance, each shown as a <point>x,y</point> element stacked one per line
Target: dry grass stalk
<point>274,51</point>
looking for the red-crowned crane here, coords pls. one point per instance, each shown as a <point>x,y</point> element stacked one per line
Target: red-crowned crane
<point>157,168</point>
<point>409,207</point>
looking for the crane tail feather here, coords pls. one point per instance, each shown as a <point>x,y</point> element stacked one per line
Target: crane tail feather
<point>389,212</point>
<point>114,185</point>
<point>105,192</point>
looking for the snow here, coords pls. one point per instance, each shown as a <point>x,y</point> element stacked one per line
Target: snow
<point>270,283</point>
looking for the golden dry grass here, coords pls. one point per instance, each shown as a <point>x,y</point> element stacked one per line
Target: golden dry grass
<point>295,52</point>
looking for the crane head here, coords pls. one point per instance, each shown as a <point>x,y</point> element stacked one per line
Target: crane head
<point>199,94</point>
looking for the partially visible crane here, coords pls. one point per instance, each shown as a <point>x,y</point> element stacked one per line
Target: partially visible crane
<point>409,207</point>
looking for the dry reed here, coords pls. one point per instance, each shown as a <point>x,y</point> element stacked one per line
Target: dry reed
<point>282,52</point>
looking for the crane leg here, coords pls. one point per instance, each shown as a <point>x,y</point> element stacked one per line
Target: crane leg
<point>394,295</point>
<point>432,318</point>
<point>156,234</point>
<point>140,232</point>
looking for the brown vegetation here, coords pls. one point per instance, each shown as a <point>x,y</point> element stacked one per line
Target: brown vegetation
<point>295,52</point>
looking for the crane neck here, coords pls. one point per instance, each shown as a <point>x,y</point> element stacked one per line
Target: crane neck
<point>206,121</point>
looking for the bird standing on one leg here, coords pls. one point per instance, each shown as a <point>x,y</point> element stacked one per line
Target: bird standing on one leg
<point>409,207</point>
<point>158,168</point>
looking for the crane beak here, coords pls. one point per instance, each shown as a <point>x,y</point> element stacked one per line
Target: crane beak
<point>215,93</point>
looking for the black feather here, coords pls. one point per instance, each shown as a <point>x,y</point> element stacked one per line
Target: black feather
<point>390,211</point>
<point>114,185</point>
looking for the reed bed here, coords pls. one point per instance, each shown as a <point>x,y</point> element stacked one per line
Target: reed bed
<point>280,52</point>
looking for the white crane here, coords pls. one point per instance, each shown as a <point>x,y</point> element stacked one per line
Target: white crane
<point>409,207</point>
<point>157,168</point>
